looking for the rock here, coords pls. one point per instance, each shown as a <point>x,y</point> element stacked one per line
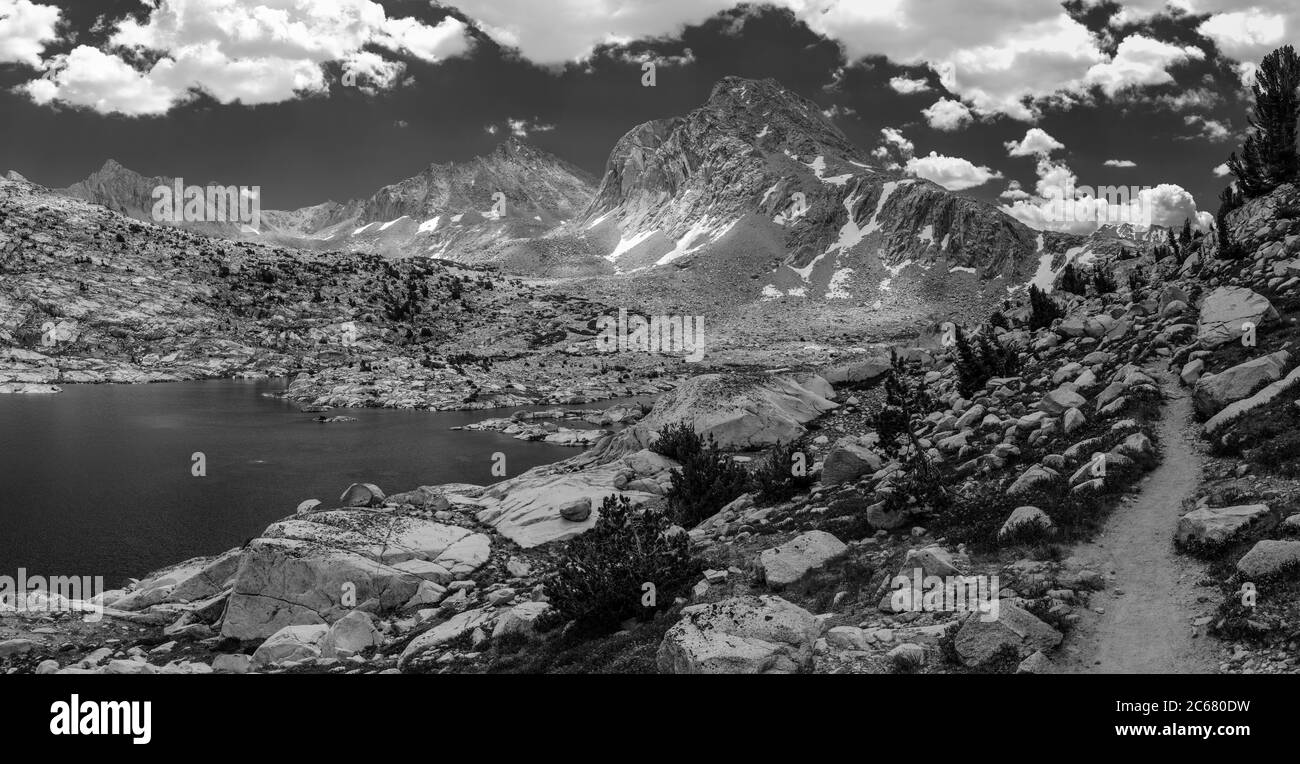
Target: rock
<point>1191,372</point>
<point>232,663</point>
<point>848,460</point>
<point>1074,420</point>
<point>1236,410</point>
<point>316,570</point>
<point>1214,392</point>
<point>362,495</point>
<point>1022,518</point>
<point>521,619</point>
<point>307,506</point>
<point>1015,630</point>
<point>453,628</point>
<point>1038,663</point>
<point>1269,558</point>
<point>526,508</point>
<point>1031,479</point>
<point>577,510</point>
<point>788,562</point>
<point>12,647</point>
<point>1214,526</point>
<point>740,635</point>
<point>739,412</point>
<point>1060,399</point>
<point>292,643</point>
<point>1226,309</point>
<point>349,635</point>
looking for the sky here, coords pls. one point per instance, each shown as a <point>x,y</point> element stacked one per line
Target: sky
<point>1002,100</point>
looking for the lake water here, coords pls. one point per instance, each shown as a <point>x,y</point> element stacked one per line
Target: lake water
<point>96,480</point>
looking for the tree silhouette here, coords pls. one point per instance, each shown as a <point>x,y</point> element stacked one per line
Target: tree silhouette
<point>1268,155</point>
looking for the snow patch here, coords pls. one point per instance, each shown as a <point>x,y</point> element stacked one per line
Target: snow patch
<point>430,225</point>
<point>385,226</point>
<point>624,244</point>
<point>838,288</point>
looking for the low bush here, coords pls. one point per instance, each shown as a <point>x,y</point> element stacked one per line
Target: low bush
<point>599,582</point>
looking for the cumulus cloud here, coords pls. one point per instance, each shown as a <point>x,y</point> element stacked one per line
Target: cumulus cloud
<point>247,51</point>
<point>908,86</point>
<point>894,149</point>
<point>521,128</point>
<point>953,173</point>
<point>1062,204</point>
<point>1120,163</point>
<point>25,28</point>
<point>998,56</point>
<point>1037,142</point>
<point>1220,170</point>
<point>946,114</point>
<point>1139,61</point>
<point>1209,129</point>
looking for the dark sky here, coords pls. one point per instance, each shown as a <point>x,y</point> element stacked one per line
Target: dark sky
<point>347,143</point>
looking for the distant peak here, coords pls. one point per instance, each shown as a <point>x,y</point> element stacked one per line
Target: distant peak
<point>15,175</point>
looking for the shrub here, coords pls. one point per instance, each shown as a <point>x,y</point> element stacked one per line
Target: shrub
<point>707,481</point>
<point>1073,281</point>
<point>678,442</point>
<point>598,583</point>
<point>775,477</point>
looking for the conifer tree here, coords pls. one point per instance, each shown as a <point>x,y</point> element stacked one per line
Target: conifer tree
<point>1268,155</point>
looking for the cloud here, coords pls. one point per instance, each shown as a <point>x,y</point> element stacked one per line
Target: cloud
<point>1210,129</point>
<point>521,128</point>
<point>266,51</point>
<point>1037,142</point>
<point>1120,163</point>
<point>953,173</point>
<point>908,86</point>
<point>947,115</point>
<point>25,28</point>
<point>998,56</point>
<point>1014,192</point>
<point>894,149</point>
<point>1139,61</point>
<point>1246,35</point>
<point>1062,204</point>
<point>1221,170</point>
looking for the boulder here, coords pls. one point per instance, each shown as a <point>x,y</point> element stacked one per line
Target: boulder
<point>788,562</point>
<point>1015,630</point>
<point>521,619</point>
<point>740,635</point>
<point>349,635</point>
<point>1235,411</point>
<point>848,460</point>
<point>362,495</point>
<point>1061,399</point>
<point>1226,309</point>
<point>1022,518</point>
<point>1269,558</point>
<point>291,643</point>
<point>1213,526</point>
<point>1214,392</point>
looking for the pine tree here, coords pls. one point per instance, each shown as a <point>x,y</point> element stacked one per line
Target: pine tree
<point>1073,281</point>
<point>1043,309</point>
<point>1185,238</point>
<point>1268,155</point>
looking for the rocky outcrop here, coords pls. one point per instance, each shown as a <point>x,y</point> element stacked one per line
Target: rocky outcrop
<point>740,412</point>
<point>740,635</point>
<point>316,570</point>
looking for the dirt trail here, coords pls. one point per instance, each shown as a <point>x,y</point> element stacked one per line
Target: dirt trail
<point>1148,628</point>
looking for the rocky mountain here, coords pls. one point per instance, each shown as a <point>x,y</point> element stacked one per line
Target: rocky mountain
<point>757,185</point>
<point>461,211</point>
